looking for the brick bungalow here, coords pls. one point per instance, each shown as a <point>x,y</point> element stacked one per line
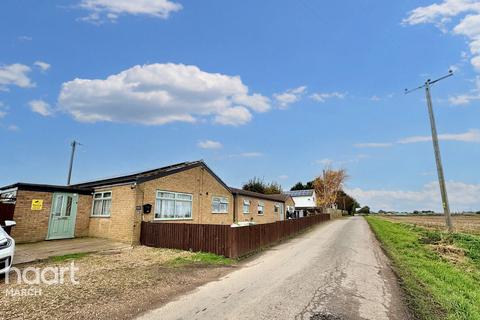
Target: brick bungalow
<point>113,208</point>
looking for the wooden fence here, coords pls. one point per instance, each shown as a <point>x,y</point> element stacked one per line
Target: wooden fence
<point>223,239</point>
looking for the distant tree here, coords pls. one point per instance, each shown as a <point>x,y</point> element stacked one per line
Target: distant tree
<point>255,184</point>
<point>273,188</point>
<point>365,209</point>
<point>346,202</point>
<point>298,186</point>
<point>478,212</point>
<point>416,212</point>
<point>328,185</point>
<point>301,186</point>
<point>258,185</point>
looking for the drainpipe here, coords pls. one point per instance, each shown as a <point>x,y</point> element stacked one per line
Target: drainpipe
<point>234,207</point>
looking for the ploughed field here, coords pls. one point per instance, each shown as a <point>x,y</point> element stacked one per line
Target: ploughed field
<point>461,223</point>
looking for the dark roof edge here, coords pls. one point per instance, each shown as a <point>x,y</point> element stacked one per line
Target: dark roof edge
<point>192,165</point>
<point>46,188</point>
<point>280,197</point>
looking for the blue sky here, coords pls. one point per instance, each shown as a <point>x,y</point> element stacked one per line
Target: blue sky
<point>274,89</point>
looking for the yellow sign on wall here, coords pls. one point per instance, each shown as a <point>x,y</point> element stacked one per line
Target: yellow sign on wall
<point>37,204</point>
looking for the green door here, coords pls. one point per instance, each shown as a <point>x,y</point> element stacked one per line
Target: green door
<point>62,217</point>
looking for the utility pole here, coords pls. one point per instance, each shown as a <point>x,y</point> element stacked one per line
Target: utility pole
<point>436,148</point>
<point>74,146</point>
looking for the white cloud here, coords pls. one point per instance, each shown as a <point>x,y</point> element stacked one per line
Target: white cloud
<point>24,38</point>
<point>375,98</point>
<point>156,94</point>
<point>284,99</point>
<point>111,10</point>
<point>325,162</point>
<point>462,196</point>
<point>472,135</point>
<point>322,97</point>
<point>468,25</point>
<point>283,177</point>
<point>252,154</point>
<point>41,107</point>
<point>13,127</point>
<point>209,144</point>
<point>234,116</point>
<point>42,65</point>
<point>466,98</point>
<point>15,75</point>
<point>374,145</point>
<point>3,110</point>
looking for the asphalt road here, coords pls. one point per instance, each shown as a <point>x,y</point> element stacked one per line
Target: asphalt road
<point>336,271</point>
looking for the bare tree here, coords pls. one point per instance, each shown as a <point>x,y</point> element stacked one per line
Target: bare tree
<point>328,185</point>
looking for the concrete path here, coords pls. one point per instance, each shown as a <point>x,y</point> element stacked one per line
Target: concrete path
<point>336,271</point>
<point>29,252</point>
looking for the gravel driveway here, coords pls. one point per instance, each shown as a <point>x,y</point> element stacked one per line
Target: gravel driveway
<point>112,285</point>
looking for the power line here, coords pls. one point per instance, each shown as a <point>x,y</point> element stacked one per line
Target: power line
<point>436,147</point>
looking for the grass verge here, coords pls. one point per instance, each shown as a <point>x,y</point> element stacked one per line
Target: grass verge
<point>66,257</point>
<point>201,258</point>
<point>440,272</point>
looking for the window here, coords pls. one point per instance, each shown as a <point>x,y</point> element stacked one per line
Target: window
<point>173,205</point>
<point>276,207</point>
<point>261,208</point>
<point>219,205</point>
<point>102,202</point>
<point>246,206</point>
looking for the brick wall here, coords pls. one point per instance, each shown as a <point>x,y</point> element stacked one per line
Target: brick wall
<point>32,226</point>
<point>196,181</point>
<point>268,216</point>
<point>119,226</point>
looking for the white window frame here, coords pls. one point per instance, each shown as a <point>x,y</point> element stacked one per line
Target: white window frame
<point>262,205</point>
<point>102,199</point>
<point>221,200</point>
<point>246,203</point>
<point>175,199</point>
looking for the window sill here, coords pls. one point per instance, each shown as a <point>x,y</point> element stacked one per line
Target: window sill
<point>100,216</point>
<point>260,214</point>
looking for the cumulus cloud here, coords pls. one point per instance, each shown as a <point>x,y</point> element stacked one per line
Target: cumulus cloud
<point>471,135</point>
<point>462,197</point>
<point>41,107</point>
<point>42,65</point>
<point>15,75</point>
<point>157,94</point>
<point>322,97</point>
<point>286,98</point>
<point>111,10</point>
<point>209,144</point>
<point>468,25</point>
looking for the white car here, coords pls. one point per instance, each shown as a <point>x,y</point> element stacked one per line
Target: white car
<point>7,248</point>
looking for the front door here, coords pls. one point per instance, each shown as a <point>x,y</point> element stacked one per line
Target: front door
<point>62,217</point>
<point>282,212</point>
